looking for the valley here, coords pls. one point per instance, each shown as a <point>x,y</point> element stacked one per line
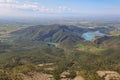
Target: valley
<point>59,39</point>
<point>59,52</point>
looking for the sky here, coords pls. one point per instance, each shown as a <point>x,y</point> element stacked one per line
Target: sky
<point>59,8</point>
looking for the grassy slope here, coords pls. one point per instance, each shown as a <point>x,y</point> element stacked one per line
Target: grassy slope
<point>85,61</point>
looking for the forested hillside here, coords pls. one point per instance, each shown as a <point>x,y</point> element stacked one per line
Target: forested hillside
<point>58,52</point>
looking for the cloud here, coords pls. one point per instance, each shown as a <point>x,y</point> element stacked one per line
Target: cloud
<point>64,8</point>
<point>26,8</point>
<point>7,1</point>
<point>30,7</point>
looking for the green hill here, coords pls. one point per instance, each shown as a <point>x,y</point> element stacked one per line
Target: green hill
<point>109,41</point>
<point>62,34</point>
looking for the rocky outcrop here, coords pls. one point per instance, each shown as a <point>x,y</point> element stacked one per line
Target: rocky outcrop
<point>109,75</point>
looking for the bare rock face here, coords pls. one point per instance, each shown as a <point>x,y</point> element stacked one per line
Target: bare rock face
<point>38,76</point>
<point>109,75</point>
<point>78,78</point>
<point>63,76</point>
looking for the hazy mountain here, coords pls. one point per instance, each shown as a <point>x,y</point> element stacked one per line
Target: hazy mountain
<point>51,33</point>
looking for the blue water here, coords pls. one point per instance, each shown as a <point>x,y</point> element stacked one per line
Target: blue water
<point>89,36</point>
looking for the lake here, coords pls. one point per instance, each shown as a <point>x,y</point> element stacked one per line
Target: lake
<point>89,36</point>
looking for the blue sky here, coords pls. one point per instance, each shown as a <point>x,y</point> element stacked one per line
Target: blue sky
<point>59,8</point>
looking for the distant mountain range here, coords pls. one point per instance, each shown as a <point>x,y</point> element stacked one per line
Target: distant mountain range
<point>51,33</point>
<point>63,34</point>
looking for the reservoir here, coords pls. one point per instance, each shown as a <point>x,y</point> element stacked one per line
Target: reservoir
<point>89,36</point>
